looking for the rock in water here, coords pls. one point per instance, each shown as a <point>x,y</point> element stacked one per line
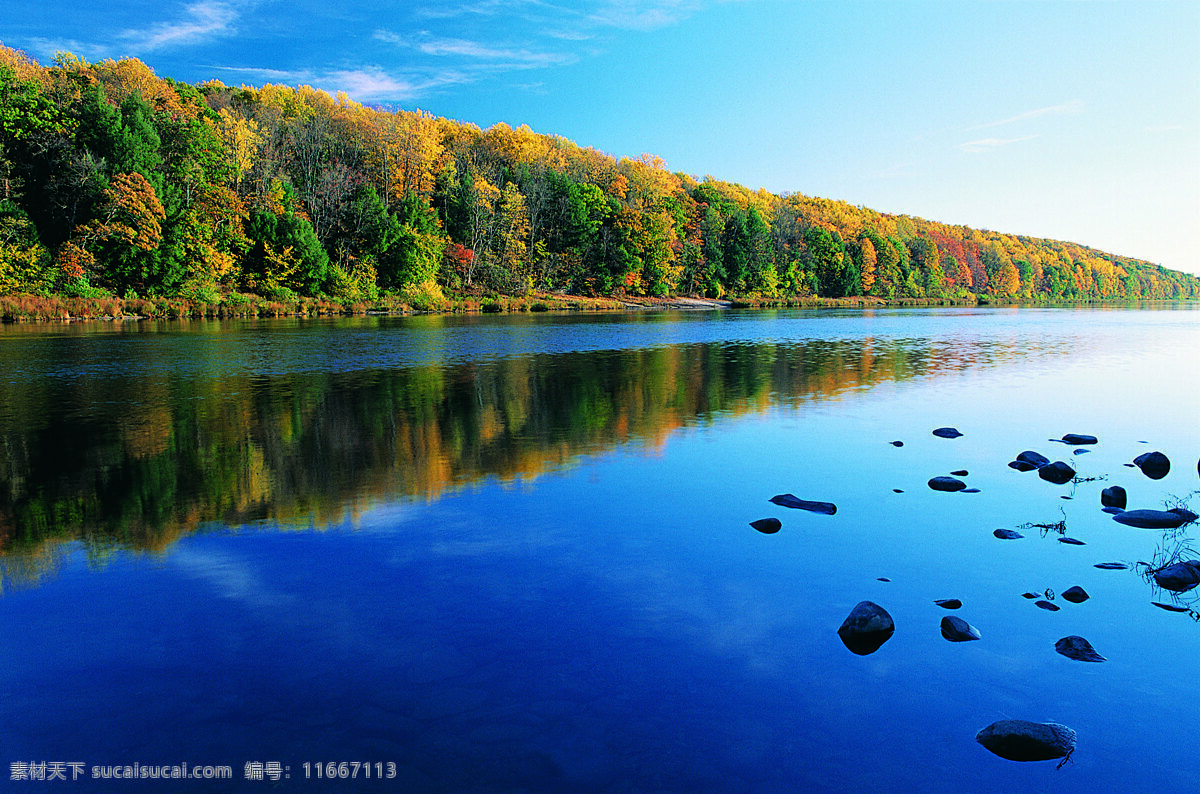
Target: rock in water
<point>1021,740</point>
<point>1021,465</point>
<point>1076,594</point>
<point>1072,541</point>
<point>947,484</point>
<point>947,432</point>
<point>1114,496</point>
<point>1035,459</point>
<point>960,473</point>
<point>958,630</point>
<point>948,603</point>
<point>1180,577</point>
<point>1154,465</point>
<point>1170,607</point>
<point>1056,472</point>
<point>1111,566</point>
<point>1046,605</point>
<point>1079,649</point>
<point>1007,534</point>
<point>896,443</point>
<point>867,627</point>
<point>767,526</point>
<point>1076,439</point>
<point>1153,519</point>
<point>787,500</point>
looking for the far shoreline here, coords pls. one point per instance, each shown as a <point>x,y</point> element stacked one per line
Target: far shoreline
<point>26,309</point>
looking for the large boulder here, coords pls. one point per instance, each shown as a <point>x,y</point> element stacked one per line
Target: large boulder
<point>1155,519</point>
<point>1114,496</point>
<point>767,526</point>
<point>947,484</point>
<point>1036,459</point>
<point>1075,594</point>
<point>958,630</point>
<point>1057,472</point>
<point>1021,740</point>
<point>787,500</point>
<point>867,627</point>
<point>1079,649</point>
<point>1154,465</point>
<point>1180,577</point>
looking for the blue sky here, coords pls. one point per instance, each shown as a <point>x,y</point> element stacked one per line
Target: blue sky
<point>1071,120</point>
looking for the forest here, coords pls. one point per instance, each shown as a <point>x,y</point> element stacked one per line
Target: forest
<point>115,183</point>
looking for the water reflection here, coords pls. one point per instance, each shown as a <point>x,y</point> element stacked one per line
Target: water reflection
<point>139,443</point>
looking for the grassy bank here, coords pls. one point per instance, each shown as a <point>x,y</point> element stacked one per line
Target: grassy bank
<point>33,308</point>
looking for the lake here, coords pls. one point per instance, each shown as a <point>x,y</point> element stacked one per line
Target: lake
<point>514,553</point>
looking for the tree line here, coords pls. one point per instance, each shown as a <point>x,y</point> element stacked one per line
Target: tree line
<point>115,182</point>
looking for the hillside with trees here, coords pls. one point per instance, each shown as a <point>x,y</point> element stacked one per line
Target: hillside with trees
<point>115,182</point>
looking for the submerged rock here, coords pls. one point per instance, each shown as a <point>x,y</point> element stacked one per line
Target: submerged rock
<point>1112,511</point>
<point>882,579</point>
<point>867,627</point>
<point>959,630</point>
<point>1170,607</point>
<point>969,490</point>
<point>1029,595</point>
<point>1154,519</point>
<point>1079,649</point>
<point>947,432</point>
<point>947,484</point>
<point>1007,534</point>
<point>1021,465</point>
<point>948,603</point>
<point>1114,496</point>
<point>1076,594</point>
<point>1154,465</point>
<point>1076,439</point>
<point>1180,577</point>
<point>767,526</point>
<point>1080,451</point>
<point>787,500</point>
<point>1021,740</point>
<point>960,473</point>
<point>1111,566</point>
<point>1057,472</point>
<point>1072,541</point>
<point>1046,605</point>
<point>897,490</point>
<point>1035,459</point>
<point>896,443</point>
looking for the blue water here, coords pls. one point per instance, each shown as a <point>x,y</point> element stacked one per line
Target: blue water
<point>514,553</point>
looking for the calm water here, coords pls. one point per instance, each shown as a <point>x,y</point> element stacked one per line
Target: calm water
<point>513,554</point>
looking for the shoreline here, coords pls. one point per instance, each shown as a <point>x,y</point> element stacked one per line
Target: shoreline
<point>26,309</point>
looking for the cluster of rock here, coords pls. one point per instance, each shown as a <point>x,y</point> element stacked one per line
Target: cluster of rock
<point>869,625</point>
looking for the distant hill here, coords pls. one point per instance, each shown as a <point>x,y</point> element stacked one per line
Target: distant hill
<point>114,181</point>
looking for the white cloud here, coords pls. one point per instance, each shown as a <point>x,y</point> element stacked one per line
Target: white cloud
<point>987,144</point>
<point>1072,107</point>
<point>203,19</point>
<point>641,15</point>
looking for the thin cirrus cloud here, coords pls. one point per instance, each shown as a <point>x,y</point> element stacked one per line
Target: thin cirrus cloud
<point>1066,108</point>
<point>987,144</point>
<point>203,20</point>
